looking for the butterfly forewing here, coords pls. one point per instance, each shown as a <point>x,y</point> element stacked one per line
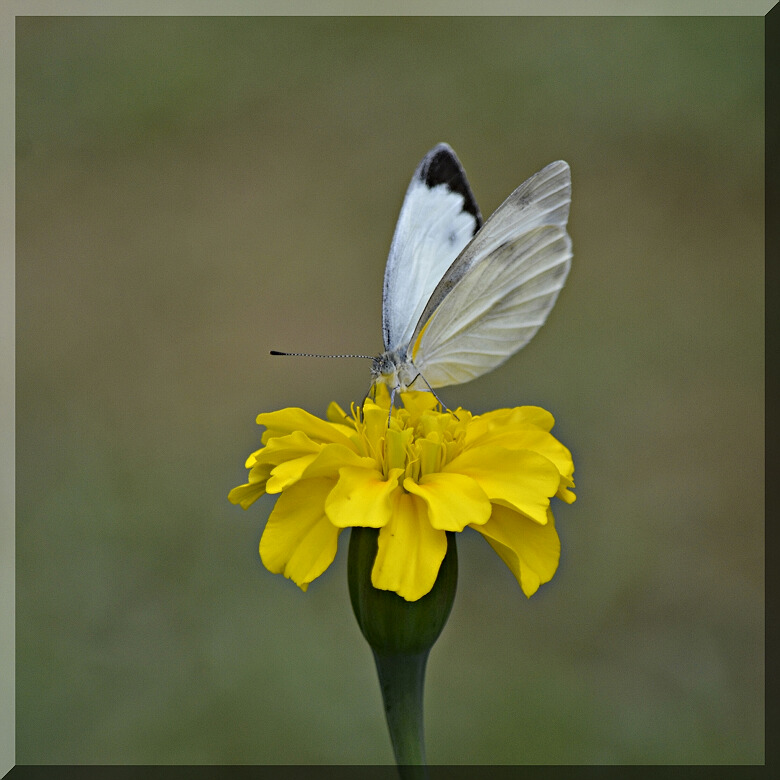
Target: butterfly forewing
<point>439,216</point>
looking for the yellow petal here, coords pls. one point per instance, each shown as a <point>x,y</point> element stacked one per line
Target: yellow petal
<point>258,476</point>
<point>396,446</point>
<point>299,541</point>
<point>434,423</point>
<point>282,448</point>
<point>287,473</point>
<point>535,415</point>
<point>246,495</point>
<point>454,500</point>
<point>519,479</point>
<point>374,422</point>
<point>410,550</point>
<point>381,397</point>
<point>431,453</point>
<point>298,457</point>
<point>531,551</point>
<point>332,457</point>
<point>535,440</point>
<point>419,401</point>
<point>336,414</point>
<point>286,421</point>
<point>362,497</point>
<point>252,459</point>
<point>563,490</point>
<point>484,429</point>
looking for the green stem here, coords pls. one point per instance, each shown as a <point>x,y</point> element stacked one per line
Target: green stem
<point>401,678</point>
<point>401,634</point>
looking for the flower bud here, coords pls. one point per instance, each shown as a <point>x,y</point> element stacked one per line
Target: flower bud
<point>390,624</point>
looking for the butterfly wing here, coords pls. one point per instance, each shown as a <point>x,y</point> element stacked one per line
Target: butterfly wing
<point>439,216</point>
<point>500,289</point>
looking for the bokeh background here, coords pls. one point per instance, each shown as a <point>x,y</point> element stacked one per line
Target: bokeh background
<point>192,192</point>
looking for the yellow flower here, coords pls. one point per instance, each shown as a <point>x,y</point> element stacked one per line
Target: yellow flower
<point>423,473</point>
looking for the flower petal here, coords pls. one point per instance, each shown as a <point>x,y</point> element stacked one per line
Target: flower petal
<point>246,495</point>
<point>299,541</point>
<point>336,414</point>
<point>563,490</point>
<point>284,460</point>
<point>374,424</point>
<point>286,421</point>
<point>260,473</point>
<point>252,459</point>
<point>288,473</point>
<point>534,416</point>
<point>483,427</point>
<point>520,479</point>
<point>535,440</point>
<point>281,448</point>
<point>381,397</point>
<point>397,444</point>
<point>362,497</point>
<point>332,457</point>
<point>431,453</point>
<point>419,401</point>
<point>454,500</point>
<point>531,551</point>
<point>410,550</point>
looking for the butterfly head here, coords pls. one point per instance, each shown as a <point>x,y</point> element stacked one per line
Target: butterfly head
<point>394,369</point>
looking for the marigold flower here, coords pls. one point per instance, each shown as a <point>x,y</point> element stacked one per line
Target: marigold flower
<point>414,476</point>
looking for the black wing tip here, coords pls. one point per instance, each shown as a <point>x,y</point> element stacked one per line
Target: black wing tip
<point>442,166</point>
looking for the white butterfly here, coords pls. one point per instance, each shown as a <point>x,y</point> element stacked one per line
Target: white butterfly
<point>461,297</point>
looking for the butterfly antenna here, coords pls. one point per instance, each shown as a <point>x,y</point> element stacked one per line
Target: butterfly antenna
<point>311,354</point>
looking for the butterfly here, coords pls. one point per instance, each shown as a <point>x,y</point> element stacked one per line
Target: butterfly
<point>460,297</point>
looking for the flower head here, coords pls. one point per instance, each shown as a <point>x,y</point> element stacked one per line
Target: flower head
<point>413,475</point>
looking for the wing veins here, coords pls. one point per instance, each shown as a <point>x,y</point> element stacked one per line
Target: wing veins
<point>521,204</point>
<point>517,246</point>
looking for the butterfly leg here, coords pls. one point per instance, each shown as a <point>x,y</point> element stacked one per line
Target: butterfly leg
<point>371,387</point>
<point>392,402</point>
<point>430,389</point>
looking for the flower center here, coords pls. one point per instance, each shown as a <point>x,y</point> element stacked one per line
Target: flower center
<point>419,439</point>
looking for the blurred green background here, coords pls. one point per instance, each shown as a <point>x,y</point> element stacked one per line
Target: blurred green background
<point>192,192</point>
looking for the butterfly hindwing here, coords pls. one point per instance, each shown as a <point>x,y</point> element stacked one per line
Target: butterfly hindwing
<point>498,292</point>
